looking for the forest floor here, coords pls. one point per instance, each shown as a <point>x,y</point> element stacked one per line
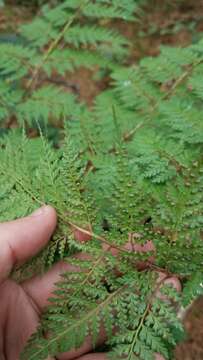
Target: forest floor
<point>163,22</point>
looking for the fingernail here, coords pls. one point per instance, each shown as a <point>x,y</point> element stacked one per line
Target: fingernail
<point>39,211</point>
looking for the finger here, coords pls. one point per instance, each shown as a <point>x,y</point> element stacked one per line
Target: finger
<point>148,247</point>
<point>163,279</point>
<point>103,356</point>
<point>174,282</point>
<point>142,249</point>
<point>96,356</point>
<point>132,247</point>
<point>24,238</point>
<point>159,357</point>
<point>84,349</point>
<point>41,287</point>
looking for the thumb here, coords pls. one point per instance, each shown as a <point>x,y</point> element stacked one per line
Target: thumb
<point>24,238</point>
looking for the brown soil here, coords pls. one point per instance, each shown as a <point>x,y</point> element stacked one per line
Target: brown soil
<point>85,86</point>
<point>192,347</point>
<point>162,23</point>
<point>13,16</point>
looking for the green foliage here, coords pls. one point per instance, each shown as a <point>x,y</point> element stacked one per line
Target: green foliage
<point>126,170</point>
<point>193,288</point>
<point>65,37</point>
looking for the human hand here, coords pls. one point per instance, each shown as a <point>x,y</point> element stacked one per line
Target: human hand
<point>22,304</point>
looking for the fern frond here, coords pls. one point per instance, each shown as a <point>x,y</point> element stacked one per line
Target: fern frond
<point>106,9</point>
<point>126,172</point>
<point>33,32</point>
<point>15,61</point>
<point>193,288</point>
<point>46,103</point>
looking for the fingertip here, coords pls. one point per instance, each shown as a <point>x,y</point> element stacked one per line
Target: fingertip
<point>23,238</point>
<point>171,281</point>
<point>42,223</point>
<point>45,218</point>
<point>51,215</point>
<point>46,210</point>
<point>141,248</point>
<point>94,356</point>
<point>159,357</point>
<point>174,282</point>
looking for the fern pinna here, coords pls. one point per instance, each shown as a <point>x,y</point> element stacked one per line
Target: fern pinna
<point>125,172</point>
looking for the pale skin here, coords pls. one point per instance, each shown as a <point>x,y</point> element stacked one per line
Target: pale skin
<point>22,304</point>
